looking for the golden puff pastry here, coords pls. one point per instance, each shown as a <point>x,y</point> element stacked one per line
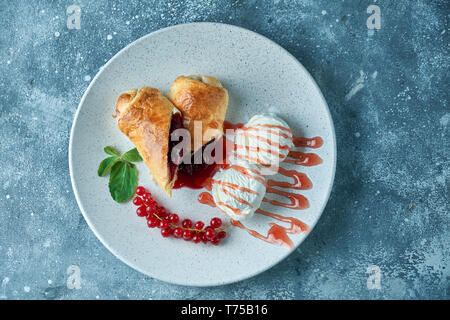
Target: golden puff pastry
<point>201,99</point>
<point>144,116</point>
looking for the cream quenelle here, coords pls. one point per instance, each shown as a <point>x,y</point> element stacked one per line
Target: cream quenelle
<point>239,190</point>
<point>265,140</point>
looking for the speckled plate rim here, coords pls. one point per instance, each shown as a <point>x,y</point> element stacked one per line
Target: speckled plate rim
<point>86,216</point>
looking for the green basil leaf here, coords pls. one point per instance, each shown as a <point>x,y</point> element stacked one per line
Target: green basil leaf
<point>111,151</point>
<point>105,165</point>
<point>122,181</point>
<point>132,156</point>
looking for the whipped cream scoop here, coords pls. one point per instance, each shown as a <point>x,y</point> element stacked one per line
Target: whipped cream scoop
<point>238,190</point>
<point>265,140</point>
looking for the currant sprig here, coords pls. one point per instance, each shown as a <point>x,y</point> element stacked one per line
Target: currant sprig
<point>157,216</point>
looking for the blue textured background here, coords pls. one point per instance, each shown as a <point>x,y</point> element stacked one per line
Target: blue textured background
<point>388,93</point>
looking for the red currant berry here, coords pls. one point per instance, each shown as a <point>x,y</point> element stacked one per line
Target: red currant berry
<point>152,222</point>
<point>154,206</point>
<point>203,237</point>
<point>163,224</point>
<point>221,234</point>
<point>187,235</point>
<point>178,232</point>
<point>174,218</point>
<point>199,225</point>
<point>147,195</point>
<point>166,232</point>
<point>210,233</point>
<point>216,222</point>
<point>196,238</point>
<point>149,210</point>
<point>161,212</point>
<point>215,241</point>
<point>137,201</point>
<point>186,223</point>
<point>141,211</point>
<point>140,191</point>
<point>149,201</point>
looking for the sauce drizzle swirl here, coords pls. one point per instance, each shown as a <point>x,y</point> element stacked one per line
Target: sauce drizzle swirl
<point>279,188</point>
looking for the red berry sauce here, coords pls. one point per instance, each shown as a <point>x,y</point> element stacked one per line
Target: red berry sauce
<point>175,123</point>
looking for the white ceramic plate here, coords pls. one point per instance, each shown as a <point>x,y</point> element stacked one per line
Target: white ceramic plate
<point>260,77</point>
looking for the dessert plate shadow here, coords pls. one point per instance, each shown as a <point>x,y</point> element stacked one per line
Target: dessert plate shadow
<point>261,77</point>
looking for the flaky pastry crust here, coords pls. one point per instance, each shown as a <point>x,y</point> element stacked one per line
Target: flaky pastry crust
<point>144,116</point>
<point>202,99</point>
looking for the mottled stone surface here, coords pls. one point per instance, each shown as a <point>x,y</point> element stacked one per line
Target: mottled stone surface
<point>388,93</point>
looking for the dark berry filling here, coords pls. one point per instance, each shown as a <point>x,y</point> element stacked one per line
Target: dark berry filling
<point>194,176</point>
<point>175,123</point>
